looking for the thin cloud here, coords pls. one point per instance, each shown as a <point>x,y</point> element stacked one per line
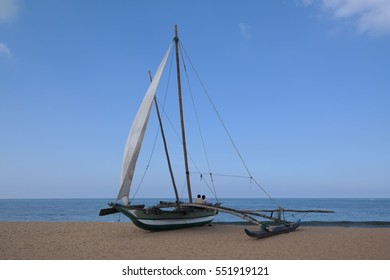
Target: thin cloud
<point>4,51</point>
<point>370,16</point>
<point>307,2</point>
<point>246,30</point>
<point>9,10</point>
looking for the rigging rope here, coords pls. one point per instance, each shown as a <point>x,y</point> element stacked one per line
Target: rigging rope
<point>197,121</point>
<point>188,153</point>
<point>224,126</point>
<point>222,175</point>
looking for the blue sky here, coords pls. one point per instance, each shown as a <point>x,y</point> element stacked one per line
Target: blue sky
<point>303,87</point>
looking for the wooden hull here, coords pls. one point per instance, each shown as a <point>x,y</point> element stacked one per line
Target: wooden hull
<point>263,233</point>
<point>167,220</point>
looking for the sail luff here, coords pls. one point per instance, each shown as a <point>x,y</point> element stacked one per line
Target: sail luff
<point>137,132</point>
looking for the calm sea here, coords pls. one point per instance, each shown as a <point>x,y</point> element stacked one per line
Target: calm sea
<point>348,212</point>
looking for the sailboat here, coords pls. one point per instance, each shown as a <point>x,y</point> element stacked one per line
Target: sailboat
<point>177,214</point>
<point>166,215</point>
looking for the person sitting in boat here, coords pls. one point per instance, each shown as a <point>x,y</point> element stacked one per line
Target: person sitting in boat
<point>199,200</point>
<point>205,201</point>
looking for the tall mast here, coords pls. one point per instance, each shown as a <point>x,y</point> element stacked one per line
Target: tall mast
<point>183,135</point>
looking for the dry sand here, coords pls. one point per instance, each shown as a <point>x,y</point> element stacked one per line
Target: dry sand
<point>111,241</point>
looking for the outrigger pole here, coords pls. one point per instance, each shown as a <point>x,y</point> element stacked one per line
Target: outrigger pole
<point>231,211</point>
<point>246,214</point>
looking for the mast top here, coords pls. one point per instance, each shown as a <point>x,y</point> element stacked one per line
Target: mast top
<point>176,38</point>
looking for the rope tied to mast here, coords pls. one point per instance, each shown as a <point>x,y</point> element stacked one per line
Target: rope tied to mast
<point>224,126</point>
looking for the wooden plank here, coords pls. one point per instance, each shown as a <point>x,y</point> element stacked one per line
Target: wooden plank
<point>107,211</point>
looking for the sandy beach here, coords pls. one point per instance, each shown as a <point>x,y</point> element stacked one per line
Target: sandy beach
<point>111,241</point>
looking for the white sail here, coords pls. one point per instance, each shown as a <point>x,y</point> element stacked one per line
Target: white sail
<point>137,132</point>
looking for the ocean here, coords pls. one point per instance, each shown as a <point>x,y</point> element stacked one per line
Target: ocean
<point>348,212</point>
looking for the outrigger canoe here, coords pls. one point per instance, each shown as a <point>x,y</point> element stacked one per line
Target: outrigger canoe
<point>266,231</point>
